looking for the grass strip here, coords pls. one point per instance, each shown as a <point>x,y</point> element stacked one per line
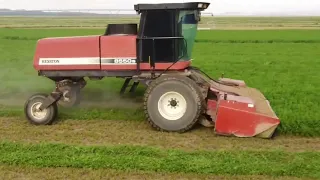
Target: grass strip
<point>114,132</point>
<point>23,172</point>
<point>256,41</point>
<point>135,114</point>
<point>296,128</point>
<point>276,163</point>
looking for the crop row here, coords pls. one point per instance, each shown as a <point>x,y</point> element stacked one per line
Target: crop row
<point>275,163</point>
<point>305,36</point>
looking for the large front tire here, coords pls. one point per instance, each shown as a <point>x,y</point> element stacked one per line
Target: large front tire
<point>37,117</point>
<point>173,103</point>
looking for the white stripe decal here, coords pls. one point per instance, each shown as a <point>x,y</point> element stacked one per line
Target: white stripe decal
<point>88,61</point>
<point>69,61</point>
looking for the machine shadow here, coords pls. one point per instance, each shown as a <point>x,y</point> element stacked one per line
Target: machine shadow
<point>112,99</point>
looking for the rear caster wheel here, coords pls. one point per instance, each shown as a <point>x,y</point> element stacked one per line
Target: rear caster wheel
<point>173,103</point>
<point>70,96</point>
<point>35,115</point>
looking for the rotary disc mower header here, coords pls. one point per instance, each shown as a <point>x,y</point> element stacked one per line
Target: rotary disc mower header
<point>157,55</point>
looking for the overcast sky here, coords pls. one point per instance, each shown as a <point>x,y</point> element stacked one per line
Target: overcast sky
<point>216,7</point>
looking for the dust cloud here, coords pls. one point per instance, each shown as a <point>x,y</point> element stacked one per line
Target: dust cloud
<point>16,92</point>
<point>110,99</point>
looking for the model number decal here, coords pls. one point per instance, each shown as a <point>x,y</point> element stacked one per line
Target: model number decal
<point>124,61</point>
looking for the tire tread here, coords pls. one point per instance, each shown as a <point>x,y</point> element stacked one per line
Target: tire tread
<point>195,92</point>
<point>53,107</point>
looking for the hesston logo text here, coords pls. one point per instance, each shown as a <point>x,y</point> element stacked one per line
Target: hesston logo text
<point>50,61</point>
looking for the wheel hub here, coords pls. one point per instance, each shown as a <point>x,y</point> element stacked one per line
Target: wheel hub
<point>66,96</point>
<point>172,105</point>
<point>37,113</point>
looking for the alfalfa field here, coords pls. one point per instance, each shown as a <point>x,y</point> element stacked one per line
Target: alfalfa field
<point>107,135</point>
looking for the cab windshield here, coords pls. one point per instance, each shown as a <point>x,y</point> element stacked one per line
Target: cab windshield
<point>188,21</point>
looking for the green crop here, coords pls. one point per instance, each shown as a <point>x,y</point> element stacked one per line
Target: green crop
<point>282,64</point>
<point>272,163</point>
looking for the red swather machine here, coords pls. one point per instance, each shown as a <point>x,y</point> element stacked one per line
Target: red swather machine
<point>158,55</point>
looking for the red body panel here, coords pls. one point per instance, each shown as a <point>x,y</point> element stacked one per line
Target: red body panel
<point>92,53</point>
<point>241,111</point>
<point>161,66</point>
<point>118,47</point>
<point>238,119</point>
<point>69,47</point>
<point>125,47</point>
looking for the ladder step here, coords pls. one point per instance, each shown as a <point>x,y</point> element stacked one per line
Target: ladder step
<point>125,85</point>
<point>134,87</point>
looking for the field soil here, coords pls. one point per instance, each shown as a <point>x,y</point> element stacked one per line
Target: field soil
<point>115,132</point>
<point>24,173</point>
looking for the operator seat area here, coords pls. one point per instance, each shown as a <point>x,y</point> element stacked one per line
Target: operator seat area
<point>159,24</point>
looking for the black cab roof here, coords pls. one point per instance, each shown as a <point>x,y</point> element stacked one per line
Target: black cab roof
<point>172,6</point>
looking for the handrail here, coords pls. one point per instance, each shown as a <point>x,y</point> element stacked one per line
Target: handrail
<point>151,60</point>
